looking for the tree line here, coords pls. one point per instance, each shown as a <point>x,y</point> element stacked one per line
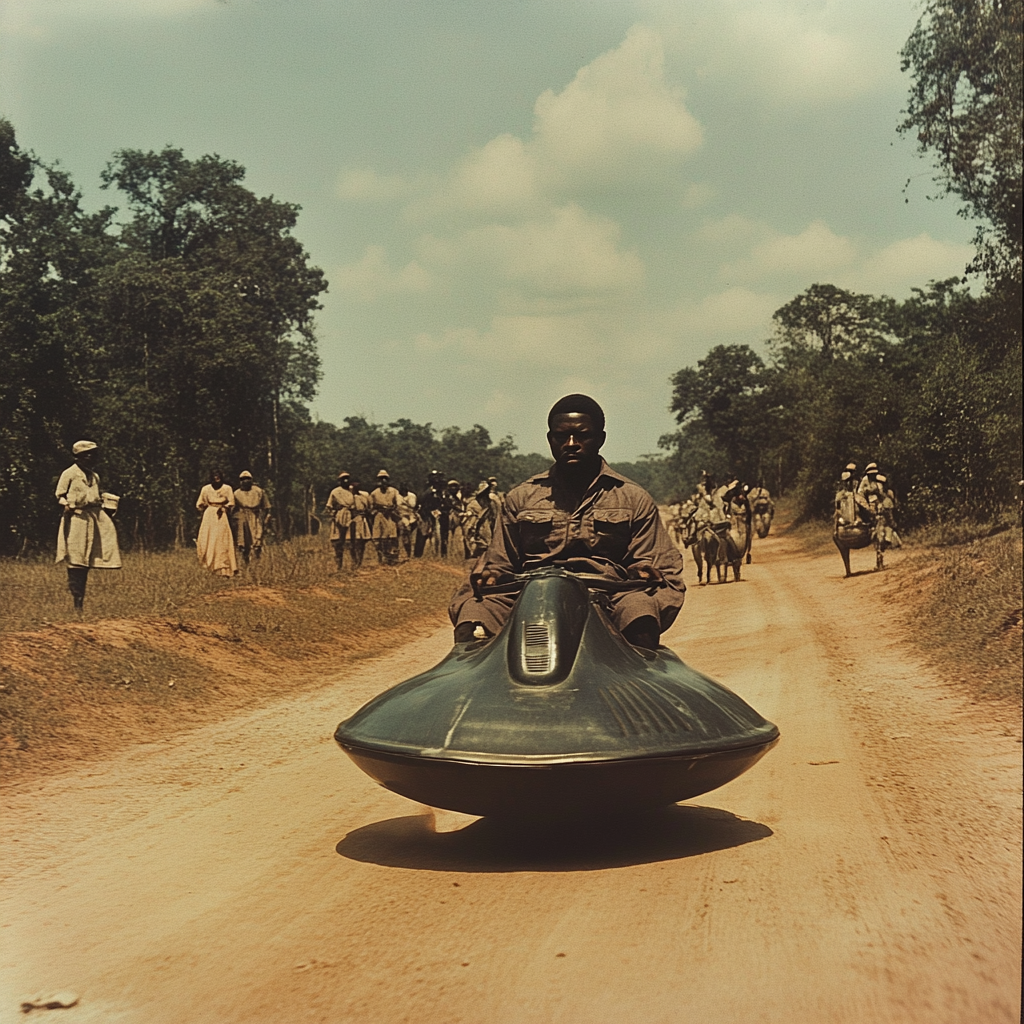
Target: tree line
<point>181,338</point>
<point>929,387</point>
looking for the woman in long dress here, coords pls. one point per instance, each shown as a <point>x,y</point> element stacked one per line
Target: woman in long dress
<point>215,544</point>
<point>87,538</point>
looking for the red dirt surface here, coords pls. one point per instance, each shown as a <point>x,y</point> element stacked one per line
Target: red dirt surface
<point>867,870</point>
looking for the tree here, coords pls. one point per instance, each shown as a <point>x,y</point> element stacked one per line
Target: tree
<point>724,395</point>
<point>965,60</point>
<point>829,320</point>
<point>50,255</point>
<point>206,334</point>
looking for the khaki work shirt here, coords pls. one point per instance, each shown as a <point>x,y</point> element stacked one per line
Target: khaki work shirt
<point>384,506</point>
<point>615,526</point>
<point>341,503</point>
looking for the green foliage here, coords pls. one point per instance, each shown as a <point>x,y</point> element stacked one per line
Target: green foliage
<point>930,388</point>
<point>965,107</point>
<point>181,340</point>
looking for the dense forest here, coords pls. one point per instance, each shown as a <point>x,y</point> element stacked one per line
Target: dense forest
<point>182,336</point>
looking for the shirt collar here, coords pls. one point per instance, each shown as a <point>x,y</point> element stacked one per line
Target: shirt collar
<point>605,471</point>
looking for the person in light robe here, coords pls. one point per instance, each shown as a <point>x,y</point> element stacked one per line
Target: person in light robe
<point>87,538</point>
<point>252,511</point>
<point>215,544</point>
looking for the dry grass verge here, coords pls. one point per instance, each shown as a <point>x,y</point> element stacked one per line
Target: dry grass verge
<point>963,608</point>
<point>165,645</point>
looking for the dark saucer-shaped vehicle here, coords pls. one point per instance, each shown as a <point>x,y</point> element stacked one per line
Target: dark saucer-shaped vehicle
<point>556,716</point>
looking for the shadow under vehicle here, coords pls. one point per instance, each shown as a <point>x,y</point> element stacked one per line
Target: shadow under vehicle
<point>557,716</point>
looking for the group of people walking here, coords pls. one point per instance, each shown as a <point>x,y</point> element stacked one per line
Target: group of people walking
<point>716,505</point>
<point>233,519</point>
<point>398,521</point>
<point>868,499</point>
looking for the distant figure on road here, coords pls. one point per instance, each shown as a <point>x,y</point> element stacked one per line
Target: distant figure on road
<point>762,508</point>
<point>215,545</point>
<point>252,510</point>
<point>340,507</point>
<point>478,524</point>
<point>86,538</point>
<point>428,512</point>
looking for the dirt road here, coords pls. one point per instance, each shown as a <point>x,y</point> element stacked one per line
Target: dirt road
<point>867,870</point>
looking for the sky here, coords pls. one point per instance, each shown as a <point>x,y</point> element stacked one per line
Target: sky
<point>516,200</point>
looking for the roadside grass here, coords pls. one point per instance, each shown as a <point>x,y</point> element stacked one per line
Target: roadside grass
<point>164,644</point>
<point>965,610</point>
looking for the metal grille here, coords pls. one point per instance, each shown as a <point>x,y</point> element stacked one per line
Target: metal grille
<point>537,647</point>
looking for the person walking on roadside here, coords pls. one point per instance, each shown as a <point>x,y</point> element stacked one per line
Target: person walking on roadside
<point>888,506</point>
<point>851,508</point>
<point>384,507</point>
<point>252,510</point>
<point>406,518</point>
<point>87,537</point>
<point>361,516</point>
<point>428,511</point>
<point>341,508</point>
<point>215,545</point>
<point>478,525</point>
<point>450,520</point>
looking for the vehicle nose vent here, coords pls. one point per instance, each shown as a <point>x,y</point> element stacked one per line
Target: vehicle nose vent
<point>536,647</point>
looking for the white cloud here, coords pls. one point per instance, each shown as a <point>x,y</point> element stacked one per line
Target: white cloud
<point>371,277</point>
<point>782,50</point>
<point>33,17</point>
<point>819,254</point>
<point>569,251</point>
<point>499,178</point>
<point>909,262</point>
<point>817,251</point>
<point>618,122</point>
<point>733,311</point>
<point>618,119</point>
<point>366,185</point>
<point>554,340</point>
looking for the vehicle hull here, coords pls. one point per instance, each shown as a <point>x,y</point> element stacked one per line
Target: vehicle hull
<point>555,790</point>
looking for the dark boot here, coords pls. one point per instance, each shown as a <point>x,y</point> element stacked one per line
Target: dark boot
<point>77,578</point>
<point>643,632</point>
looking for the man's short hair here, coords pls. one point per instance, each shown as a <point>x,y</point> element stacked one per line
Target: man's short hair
<point>577,403</point>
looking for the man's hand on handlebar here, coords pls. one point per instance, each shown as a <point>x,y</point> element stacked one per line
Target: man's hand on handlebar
<point>645,572</point>
<point>491,578</point>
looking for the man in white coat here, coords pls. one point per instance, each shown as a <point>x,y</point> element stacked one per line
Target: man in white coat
<point>87,538</point>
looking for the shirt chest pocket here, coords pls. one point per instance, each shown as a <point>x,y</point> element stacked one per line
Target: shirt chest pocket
<point>610,532</point>
<point>537,531</point>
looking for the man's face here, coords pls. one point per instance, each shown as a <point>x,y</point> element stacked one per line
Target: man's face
<point>574,440</point>
<point>87,459</point>
<point>246,483</point>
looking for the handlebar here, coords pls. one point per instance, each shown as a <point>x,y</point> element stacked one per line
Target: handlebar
<point>593,581</point>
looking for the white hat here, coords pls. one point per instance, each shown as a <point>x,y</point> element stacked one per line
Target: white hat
<point>384,473</point>
<point>245,475</point>
<point>82,446</point>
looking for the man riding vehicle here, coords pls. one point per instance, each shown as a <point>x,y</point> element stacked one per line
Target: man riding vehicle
<point>582,516</point>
